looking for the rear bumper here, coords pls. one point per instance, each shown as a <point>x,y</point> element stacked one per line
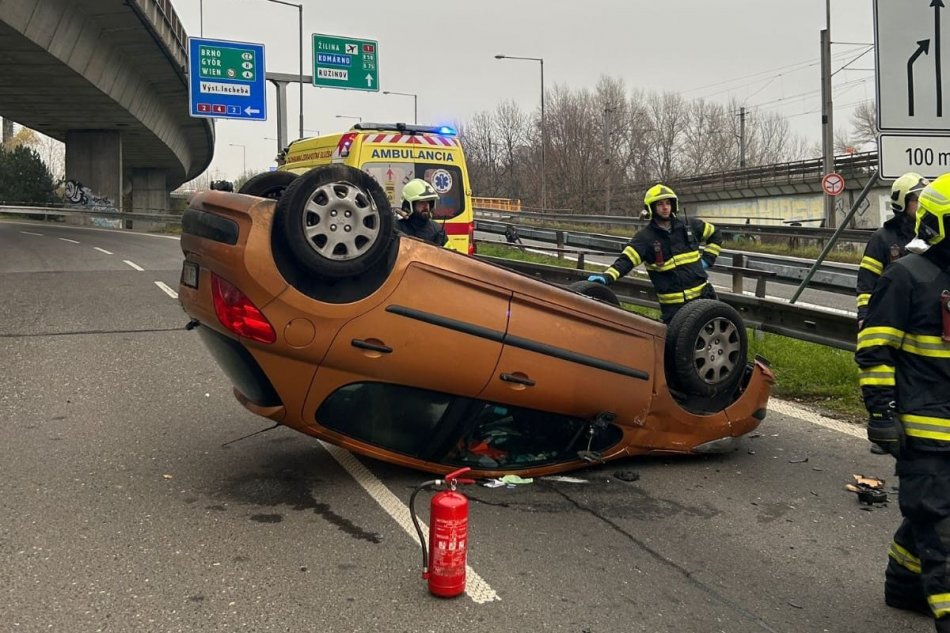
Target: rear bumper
<point>255,389</point>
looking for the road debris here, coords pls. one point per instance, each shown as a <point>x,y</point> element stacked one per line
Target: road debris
<point>870,490</point>
<point>627,475</point>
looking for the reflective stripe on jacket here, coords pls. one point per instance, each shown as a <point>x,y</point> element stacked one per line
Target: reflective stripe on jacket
<point>672,258</point>
<point>901,353</point>
<point>886,245</point>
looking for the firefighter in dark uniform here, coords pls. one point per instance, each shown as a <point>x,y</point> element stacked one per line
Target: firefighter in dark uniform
<point>888,243</point>
<point>669,249</point>
<point>418,205</point>
<point>903,353</point>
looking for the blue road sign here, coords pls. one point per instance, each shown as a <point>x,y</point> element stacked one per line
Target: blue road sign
<point>226,80</point>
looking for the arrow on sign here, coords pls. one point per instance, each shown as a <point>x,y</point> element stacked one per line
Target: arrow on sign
<point>923,46</point>
<point>249,111</point>
<point>369,80</point>
<point>937,5</point>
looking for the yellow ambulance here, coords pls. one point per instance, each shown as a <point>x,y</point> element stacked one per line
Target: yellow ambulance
<point>394,154</point>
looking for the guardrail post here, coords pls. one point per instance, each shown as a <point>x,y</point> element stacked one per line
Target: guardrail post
<point>559,237</point>
<point>580,261</point>
<point>738,261</point>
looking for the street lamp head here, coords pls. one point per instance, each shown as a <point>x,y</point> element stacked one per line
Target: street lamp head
<point>499,56</point>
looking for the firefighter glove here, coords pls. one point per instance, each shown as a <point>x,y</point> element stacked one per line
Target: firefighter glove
<point>885,431</point>
<point>600,279</point>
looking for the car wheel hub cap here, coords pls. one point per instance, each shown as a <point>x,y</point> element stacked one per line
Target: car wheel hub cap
<point>717,350</point>
<point>341,221</point>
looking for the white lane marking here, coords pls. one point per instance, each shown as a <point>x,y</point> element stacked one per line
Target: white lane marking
<point>133,265</point>
<point>102,250</point>
<point>789,409</point>
<point>66,239</point>
<point>31,233</point>
<point>167,289</point>
<point>476,588</point>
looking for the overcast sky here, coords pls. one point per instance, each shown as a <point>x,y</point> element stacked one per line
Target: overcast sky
<point>763,52</point>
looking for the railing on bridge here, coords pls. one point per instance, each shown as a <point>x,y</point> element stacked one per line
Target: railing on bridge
<point>800,171</point>
<point>496,204</point>
<point>854,167</point>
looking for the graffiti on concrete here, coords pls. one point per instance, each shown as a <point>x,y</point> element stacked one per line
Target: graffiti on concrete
<point>78,195</point>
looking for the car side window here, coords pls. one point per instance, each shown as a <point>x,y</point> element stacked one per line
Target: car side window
<point>398,418</point>
<point>512,437</point>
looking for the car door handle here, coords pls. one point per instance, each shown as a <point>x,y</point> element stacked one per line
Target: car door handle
<point>373,347</point>
<point>518,379</point>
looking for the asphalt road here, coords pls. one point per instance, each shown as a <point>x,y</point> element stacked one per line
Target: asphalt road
<point>123,508</point>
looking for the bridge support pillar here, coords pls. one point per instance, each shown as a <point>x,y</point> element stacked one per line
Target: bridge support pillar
<point>94,158</point>
<point>149,192</point>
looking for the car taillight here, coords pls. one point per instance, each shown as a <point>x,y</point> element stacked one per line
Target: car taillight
<point>471,238</point>
<point>238,314</point>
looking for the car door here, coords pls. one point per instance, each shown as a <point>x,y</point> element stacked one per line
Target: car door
<point>438,330</point>
<point>572,356</point>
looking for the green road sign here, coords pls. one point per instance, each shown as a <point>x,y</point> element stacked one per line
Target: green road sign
<point>226,63</point>
<point>345,62</point>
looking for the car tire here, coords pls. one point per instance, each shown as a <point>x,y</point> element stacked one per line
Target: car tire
<point>595,290</point>
<point>706,349</point>
<point>336,221</point>
<point>270,184</point>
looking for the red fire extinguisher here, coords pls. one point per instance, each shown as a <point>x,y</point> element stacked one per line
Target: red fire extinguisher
<point>443,564</point>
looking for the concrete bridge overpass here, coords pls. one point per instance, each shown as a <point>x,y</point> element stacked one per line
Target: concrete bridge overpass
<point>108,78</point>
<point>786,192</point>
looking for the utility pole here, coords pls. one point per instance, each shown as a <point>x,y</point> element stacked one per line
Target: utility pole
<point>742,137</point>
<point>607,152</point>
<point>827,111</point>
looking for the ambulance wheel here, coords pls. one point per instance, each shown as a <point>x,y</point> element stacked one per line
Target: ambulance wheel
<point>595,290</point>
<point>706,349</point>
<point>336,221</point>
<point>270,184</point>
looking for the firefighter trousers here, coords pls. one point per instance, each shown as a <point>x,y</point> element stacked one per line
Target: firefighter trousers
<point>918,567</point>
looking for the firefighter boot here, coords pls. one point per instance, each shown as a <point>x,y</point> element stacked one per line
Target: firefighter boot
<point>903,590</point>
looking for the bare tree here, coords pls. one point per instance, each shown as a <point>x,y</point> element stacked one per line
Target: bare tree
<point>511,130</point>
<point>668,115</point>
<point>864,128</point>
<point>604,147</point>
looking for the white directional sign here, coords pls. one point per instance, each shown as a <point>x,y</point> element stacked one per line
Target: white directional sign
<point>913,65</point>
<point>929,156</point>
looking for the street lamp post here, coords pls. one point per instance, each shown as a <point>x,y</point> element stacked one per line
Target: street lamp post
<point>243,155</point>
<point>300,44</point>
<point>415,102</point>
<point>346,116</point>
<point>543,137</point>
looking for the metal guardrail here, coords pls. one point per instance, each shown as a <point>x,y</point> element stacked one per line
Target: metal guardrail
<point>789,231</point>
<point>831,329</point>
<point>89,213</point>
<point>832,276</point>
<point>777,317</point>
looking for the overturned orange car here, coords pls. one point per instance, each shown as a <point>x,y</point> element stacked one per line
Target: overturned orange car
<point>328,321</point>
